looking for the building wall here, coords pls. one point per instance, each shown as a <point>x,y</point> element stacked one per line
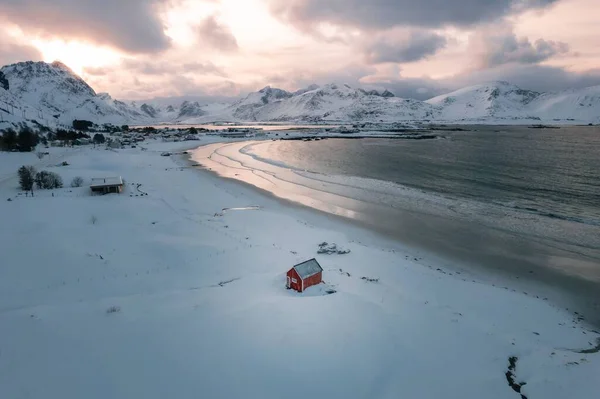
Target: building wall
<point>313,280</point>
<point>294,276</point>
<point>108,189</point>
<point>309,282</point>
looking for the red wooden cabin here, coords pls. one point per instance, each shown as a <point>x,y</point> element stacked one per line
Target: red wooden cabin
<point>304,275</point>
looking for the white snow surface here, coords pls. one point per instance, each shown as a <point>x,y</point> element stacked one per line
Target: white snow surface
<point>165,295</point>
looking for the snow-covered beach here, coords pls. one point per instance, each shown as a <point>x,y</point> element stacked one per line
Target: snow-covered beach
<point>176,288</point>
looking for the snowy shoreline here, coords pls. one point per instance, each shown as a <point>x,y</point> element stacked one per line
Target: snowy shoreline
<point>171,285</point>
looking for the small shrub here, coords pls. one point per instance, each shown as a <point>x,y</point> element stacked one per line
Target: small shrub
<point>82,124</point>
<point>113,309</point>
<point>99,138</point>
<point>77,181</point>
<point>26,177</point>
<point>48,180</point>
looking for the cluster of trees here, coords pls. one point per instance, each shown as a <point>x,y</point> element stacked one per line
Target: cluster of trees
<point>66,135</point>
<point>110,128</point>
<point>48,180</point>
<point>28,177</point>
<point>24,141</point>
<point>80,124</point>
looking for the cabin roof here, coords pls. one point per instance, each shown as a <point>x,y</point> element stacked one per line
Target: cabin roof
<point>308,268</point>
<point>106,181</point>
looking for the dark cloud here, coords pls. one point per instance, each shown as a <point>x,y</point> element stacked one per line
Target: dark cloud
<point>383,14</point>
<point>216,35</point>
<point>533,77</point>
<point>391,78</point>
<point>406,46</point>
<point>497,46</point>
<point>12,51</point>
<point>132,25</point>
<point>415,88</point>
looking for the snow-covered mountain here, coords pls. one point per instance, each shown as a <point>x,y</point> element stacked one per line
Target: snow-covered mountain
<point>53,95</point>
<point>581,106</point>
<point>499,102</point>
<point>328,103</point>
<point>491,101</point>
<point>12,109</point>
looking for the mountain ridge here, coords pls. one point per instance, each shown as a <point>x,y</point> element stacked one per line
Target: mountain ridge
<point>53,95</point>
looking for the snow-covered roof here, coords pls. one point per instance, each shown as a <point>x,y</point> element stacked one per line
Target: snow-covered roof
<point>106,181</point>
<point>308,268</point>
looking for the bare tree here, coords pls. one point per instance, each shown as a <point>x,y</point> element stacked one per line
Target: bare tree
<point>77,181</point>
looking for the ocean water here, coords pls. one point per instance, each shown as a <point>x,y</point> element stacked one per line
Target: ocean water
<point>514,200</point>
<point>534,185</point>
<point>548,172</point>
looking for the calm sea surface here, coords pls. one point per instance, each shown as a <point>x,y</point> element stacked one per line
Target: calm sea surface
<point>550,172</point>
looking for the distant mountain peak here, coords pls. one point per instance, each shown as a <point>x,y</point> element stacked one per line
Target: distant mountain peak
<point>64,67</point>
<point>312,87</point>
<point>190,109</point>
<point>148,110</point>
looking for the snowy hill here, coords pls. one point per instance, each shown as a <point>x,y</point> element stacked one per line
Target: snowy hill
<point>581,106</point>
<point>12,109</point>
<point>328,103</point>
<point>56,95</point>
<point>492,103</point>
<point>501,102</point>
<point>486,102</point>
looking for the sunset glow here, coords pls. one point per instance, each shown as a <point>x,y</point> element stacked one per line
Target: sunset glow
<point>76,55</point>
<point>246,45</point>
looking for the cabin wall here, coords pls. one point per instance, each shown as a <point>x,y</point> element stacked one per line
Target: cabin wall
<point>294,276</point>
<point>108,189</point>
<point>313,280</point>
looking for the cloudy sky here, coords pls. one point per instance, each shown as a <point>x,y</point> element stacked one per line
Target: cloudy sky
<point>142,49</point>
